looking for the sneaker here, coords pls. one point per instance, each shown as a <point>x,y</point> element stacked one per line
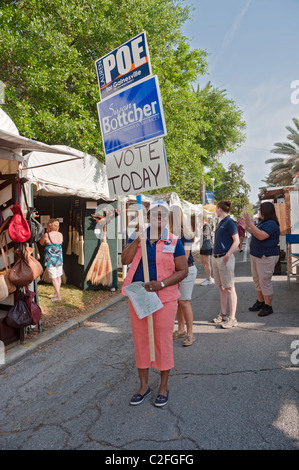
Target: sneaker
<point>229,323</point>
<point>266,310</point>
<point>207,282</point>
<point>220,318</point>
<point>257,306</point>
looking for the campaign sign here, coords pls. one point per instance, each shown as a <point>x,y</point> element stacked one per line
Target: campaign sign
<point>209,197</point>
<point>124,66</point>
<point>132,116</point>
<point>136,169</point>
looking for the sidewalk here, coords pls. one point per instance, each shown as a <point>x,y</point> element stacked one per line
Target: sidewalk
<point>19,351</point>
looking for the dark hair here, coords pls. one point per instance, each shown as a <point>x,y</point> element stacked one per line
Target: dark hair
<point>268,212</point>
<point>224,205</point>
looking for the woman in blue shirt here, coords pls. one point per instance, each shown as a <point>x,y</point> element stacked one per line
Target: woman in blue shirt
<point>223,262</point>
<point>264,254</point>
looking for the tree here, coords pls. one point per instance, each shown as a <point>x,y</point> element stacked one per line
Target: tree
<point>48,50</point>
<point>284,169</point>
<point>234,188</point>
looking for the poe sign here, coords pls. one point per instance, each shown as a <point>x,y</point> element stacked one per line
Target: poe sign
<point>124,66</point>
<point>132,116</point>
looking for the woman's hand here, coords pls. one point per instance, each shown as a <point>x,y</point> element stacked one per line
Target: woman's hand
<point>248,218</point>
<point>226,258</point>
<point>141,233</point>
<point>152,286</point>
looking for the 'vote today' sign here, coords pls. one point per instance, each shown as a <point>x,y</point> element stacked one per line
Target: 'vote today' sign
<point>137,169</point>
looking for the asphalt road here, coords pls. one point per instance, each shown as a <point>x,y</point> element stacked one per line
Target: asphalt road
<point>232,389</point>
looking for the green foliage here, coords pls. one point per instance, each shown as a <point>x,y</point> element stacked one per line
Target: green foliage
<point>48,50</point>
<point>284,169</point>
<point>234,188</point>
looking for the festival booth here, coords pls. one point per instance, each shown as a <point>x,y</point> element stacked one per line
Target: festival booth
<point>286,202</point>
<point>76,193</point>
<point>12,147</point>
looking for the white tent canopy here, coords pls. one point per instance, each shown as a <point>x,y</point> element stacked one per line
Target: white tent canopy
<point>59,175</point>
<point>12,143</point>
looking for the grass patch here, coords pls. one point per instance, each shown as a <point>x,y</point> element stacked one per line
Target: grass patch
<point>74,302</point>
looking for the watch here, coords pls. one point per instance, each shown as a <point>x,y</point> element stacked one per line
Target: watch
<point>162,284</point>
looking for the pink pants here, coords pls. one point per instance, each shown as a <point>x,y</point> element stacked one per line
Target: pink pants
<point>163,323</point>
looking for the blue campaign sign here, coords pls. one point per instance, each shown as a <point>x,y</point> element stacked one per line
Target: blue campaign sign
<point>124,66</point>
<point>209,197</point>
<point>132,116</point>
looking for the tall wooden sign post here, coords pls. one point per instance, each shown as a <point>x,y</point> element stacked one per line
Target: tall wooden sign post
<point>146,277</point>
<point>133,126</point>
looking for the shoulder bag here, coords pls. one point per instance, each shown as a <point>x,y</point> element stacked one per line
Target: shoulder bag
<point>5,273</point>
<point>34,264</point>
<point>34,308</point>
<point>19,315</point>
<point>36,229</point>
<point>21,273</point>
<point>18,228</point>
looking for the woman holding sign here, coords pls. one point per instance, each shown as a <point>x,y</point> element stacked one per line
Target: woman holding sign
<point>167,265</point>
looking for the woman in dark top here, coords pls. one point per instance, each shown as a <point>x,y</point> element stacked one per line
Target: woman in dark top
<point>264,254</point>
<point>206,251</point>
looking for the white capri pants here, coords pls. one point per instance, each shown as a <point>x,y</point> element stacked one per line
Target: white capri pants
<point>187,284</point>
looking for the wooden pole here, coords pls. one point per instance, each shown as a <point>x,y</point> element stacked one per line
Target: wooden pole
<point>146,276</point>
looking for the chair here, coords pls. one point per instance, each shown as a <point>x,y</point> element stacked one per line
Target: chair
<point>292,256</point>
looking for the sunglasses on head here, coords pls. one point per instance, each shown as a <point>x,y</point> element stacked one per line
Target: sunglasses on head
<point>155,213</point>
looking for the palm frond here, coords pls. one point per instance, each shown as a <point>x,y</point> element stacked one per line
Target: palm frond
<point>274,160</point>
<point>284,149</point>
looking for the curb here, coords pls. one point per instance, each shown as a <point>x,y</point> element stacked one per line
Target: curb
<point>18,352</point>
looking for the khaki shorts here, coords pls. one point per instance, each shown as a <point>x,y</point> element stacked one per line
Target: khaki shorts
<point>224,274</point>
<point>262,270</point>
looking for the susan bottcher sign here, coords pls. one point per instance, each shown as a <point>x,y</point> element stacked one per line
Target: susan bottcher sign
<point>132,116</point>
<point>124,66</point>
<point>136,169</point>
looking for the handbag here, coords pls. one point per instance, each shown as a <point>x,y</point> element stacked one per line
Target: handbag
<point>18,228</point>
<point>19,315</point>
<point>36,229</point>
<point>34,308</point>
<point>35,265</point>
<point>5,273</point>
<point>21,273</point>
<point>3,288</point>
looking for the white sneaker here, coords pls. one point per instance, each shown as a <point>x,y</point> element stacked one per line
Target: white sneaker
<point>207,282</point>
<point>229,323</point>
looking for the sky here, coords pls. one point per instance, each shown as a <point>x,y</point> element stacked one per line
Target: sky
<point>253,54</point>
